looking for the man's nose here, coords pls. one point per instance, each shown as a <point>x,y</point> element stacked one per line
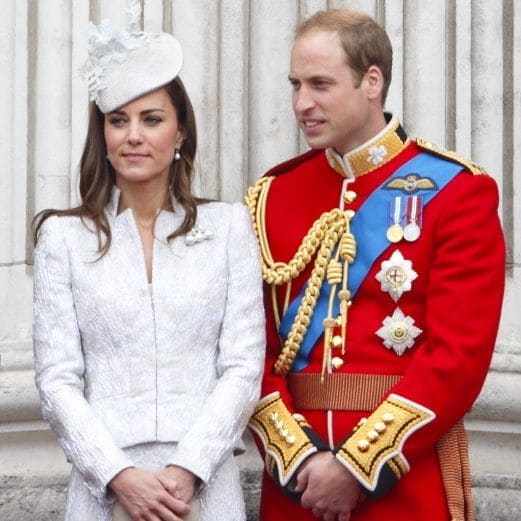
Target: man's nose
<point>302,100</point>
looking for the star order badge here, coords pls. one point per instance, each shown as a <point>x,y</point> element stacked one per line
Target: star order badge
<point>396,275</point>
<point>398,332</point>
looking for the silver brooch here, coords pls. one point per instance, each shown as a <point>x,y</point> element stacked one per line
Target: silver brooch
<point>398,332</point>
<point>197,234</point>
<point>396,275</point>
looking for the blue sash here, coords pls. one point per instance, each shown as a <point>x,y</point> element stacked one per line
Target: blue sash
<point>369,225</point>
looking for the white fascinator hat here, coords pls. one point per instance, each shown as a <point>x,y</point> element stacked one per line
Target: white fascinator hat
<point>124,64</point>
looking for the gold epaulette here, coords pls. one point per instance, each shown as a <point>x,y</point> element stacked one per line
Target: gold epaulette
<point>453,156</point>
<point>285,442</point>
<point>379,440</point>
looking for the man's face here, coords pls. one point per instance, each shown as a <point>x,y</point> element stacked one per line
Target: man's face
<point>331,111</point>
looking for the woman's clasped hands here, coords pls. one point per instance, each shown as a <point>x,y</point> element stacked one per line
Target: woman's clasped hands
<point>155,496</point>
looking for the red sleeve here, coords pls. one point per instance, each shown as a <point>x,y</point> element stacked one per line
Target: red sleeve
<point>463,305</point>
<point>462,310</point>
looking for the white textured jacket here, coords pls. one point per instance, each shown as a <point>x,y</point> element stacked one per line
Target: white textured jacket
<point>119,362</point>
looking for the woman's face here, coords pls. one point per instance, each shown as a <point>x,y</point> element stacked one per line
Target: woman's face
<point>141,138</point>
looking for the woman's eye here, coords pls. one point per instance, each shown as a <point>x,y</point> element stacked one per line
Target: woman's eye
<point>152,120</point>
<point>116,121</point>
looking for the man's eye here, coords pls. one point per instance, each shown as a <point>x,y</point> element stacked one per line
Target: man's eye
<point>321,84</point>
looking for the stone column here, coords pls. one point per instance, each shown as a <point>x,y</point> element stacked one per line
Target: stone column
<point>7,97</point>
<point>52,113</point>
<point>273,131</point>
<point>424,50</point>
<point>201,77</point>
<point>234,101</point>
<point>393,20</point>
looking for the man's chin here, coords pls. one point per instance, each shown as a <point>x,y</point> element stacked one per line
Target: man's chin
<point>316,143</point>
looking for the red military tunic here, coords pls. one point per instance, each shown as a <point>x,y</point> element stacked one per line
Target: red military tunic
<point>455,301</point>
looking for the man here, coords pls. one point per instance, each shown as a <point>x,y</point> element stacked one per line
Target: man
<point>384,273</point>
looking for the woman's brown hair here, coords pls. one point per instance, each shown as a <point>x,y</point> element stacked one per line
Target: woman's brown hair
<point>97,176</point>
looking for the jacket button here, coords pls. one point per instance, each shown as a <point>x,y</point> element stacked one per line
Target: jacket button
<point>363,445</point>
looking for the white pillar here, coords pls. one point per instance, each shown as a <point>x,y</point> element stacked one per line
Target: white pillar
<point>79,92</point>
<point>52,138</point>
<point>22,241</point>
<point>273,130</point>
<point>487,87</point>
<point>196,24</point>
<point>424,67</point>
<point>114,10</point>
<point>7,84</point>
<point>153,16</point>
<point>364,6</point>
<point>309,7</point>
<point>233,106</point>
<point>516,152</point>
<point>393,16</point>
<point>463,79</point>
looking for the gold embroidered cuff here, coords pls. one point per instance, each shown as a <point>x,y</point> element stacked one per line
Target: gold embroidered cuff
<point>380,439</point>
<point>285,443</point>
<point>398,466</point>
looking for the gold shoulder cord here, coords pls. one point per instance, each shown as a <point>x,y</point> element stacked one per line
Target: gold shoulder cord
<point>330,229</point>
<point>472,167</point>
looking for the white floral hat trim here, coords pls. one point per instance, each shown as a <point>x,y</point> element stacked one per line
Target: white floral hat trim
<point>124,64</point>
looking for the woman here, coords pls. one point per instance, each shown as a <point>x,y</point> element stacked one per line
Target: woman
<point>148,320</point>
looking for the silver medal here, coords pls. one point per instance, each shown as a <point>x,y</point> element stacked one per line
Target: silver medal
<point>411,232</point>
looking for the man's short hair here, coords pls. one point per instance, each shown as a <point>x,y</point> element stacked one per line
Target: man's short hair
<point>365,43</point>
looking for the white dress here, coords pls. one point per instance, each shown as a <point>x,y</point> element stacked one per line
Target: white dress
<point>130,376</point>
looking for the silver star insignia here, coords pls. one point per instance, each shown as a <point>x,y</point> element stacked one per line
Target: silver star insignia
<point>396,275</point>
<point>398,332</point>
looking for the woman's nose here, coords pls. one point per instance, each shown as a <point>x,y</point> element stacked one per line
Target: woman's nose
<point>135,133</point>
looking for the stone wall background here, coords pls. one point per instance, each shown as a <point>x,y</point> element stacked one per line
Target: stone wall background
<point>456,81</point>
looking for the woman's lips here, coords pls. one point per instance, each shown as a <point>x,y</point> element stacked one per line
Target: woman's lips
<point>134,157</point>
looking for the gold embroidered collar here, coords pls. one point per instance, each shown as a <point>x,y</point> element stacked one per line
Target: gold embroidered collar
<point>372,154</point>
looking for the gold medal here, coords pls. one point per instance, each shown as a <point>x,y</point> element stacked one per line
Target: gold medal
<point>394,233</point>
<point>395,230</point>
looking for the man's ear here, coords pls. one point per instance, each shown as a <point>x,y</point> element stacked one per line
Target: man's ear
<point>374,82</point>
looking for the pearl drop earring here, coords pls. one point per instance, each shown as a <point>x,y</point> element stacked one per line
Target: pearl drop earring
<point>177,155</point>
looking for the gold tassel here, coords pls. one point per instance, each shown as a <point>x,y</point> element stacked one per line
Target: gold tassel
<point>344,295</point>
<point>329,324</point>
<point>348,253</point>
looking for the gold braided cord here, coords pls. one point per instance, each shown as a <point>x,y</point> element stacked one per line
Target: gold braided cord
<point>259,191</point>
<point>307,306</point>
<point>323,236</point>
<point>348,253</point>
<point>280,272</point>
<point>334,272</point>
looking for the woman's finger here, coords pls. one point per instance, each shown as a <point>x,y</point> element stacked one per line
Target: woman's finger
<point>175,505</point>
<point>166,514</point>
<point>169,484</point>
